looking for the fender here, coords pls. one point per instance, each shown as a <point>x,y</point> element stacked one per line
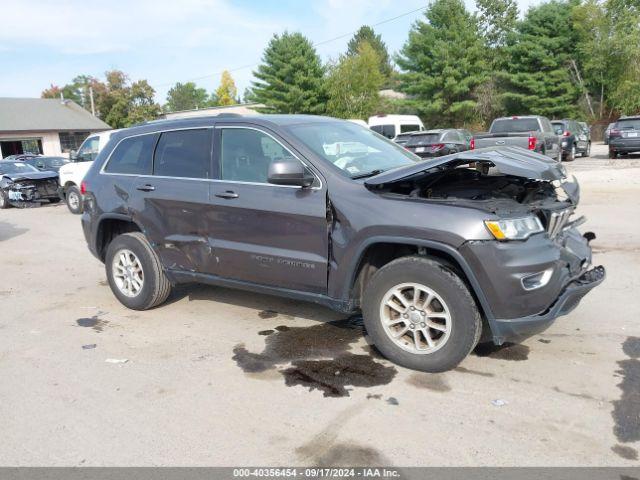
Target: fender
<point>442,247</point>
<point>111,216</point>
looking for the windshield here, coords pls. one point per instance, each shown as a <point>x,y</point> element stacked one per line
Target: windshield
<point>355,150</point>
<point>630,124</point>
<point>16,167</point>
<point>515,125</point>
<point>424,139</point>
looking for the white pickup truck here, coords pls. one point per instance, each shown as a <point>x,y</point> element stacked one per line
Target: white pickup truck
<point>72,173</point>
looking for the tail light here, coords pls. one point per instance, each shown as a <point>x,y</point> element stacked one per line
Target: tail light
<point>472,144</point>
<point>437,146</point>
<point>83,188</point>
<point>532,142</point>
<point>566,133</point>
<point>614,133</point>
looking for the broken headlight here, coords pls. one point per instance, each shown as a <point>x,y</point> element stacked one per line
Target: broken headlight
<point>514,228</point>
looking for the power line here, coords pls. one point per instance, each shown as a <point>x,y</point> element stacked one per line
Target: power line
<point>317,44</point>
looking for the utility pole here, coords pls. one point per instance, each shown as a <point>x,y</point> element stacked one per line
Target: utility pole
<point>93,107</point>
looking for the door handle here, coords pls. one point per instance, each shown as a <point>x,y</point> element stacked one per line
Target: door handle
<point>227,194</point>
<point>146,188</point>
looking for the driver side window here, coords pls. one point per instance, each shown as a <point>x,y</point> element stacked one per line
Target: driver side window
<point>245,154</point>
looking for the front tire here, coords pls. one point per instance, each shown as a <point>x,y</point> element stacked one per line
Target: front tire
<point>420,314</point>
<point>587,153</point>
<point>135,274</point>
<point>74,200</point>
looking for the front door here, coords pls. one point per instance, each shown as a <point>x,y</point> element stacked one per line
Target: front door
<point>263,233</point>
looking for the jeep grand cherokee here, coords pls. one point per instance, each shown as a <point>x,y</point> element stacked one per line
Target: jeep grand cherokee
<point>433,252</point>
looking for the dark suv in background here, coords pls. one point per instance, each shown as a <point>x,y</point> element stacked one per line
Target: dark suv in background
<point>435,143</point>
<point>624,137</point>
<point>435,253</point>
<point>574,139</point>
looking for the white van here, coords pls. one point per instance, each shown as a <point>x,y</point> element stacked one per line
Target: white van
<point>392,125</point>
<point>71,174</point>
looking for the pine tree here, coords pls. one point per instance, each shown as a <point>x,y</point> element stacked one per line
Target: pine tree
<point>444,61</point>
<point>367,34</point>
<point>353,84</point>
<point>227,92</point>
<point>538,79</point>
<point>186,96</point>
<point>290,78</point>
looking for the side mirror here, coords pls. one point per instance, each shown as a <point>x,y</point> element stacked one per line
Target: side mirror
<point>289,172</point>
<point>73,155</point>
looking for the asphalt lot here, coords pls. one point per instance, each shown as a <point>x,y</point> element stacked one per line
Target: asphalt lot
<point>211,379</point>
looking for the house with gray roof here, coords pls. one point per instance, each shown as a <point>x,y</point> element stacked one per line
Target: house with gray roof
<point>44,125</point>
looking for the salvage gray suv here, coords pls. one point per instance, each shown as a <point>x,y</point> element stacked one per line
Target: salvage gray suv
<point>435,253</point>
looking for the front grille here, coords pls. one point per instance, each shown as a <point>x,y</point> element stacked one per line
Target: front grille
<point>557,221</point>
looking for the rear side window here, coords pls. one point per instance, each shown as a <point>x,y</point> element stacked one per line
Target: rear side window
<point>388,131</point>
<point>132,156</point>
<point>183,153</point>
<point>409,128</point>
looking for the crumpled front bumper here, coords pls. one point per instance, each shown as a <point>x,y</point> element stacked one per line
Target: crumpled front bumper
<point>519,328</point>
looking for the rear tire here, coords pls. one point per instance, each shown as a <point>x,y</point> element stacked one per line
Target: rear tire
<point>612,153</point>
<point>152,286</point>
<point>408,275</point>
<point>74,200</point>
<point>571,155</point>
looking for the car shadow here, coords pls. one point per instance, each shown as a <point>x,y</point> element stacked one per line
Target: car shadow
<point>268,306</point>
<point>9,230</point>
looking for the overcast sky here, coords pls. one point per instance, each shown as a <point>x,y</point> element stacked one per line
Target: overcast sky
<point>44,42</point>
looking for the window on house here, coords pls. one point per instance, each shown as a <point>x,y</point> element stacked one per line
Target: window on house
<point>71,140</point>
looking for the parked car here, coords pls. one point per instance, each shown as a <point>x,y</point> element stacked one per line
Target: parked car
<point>574,140</point>
<point>403,138</point>
<point>624,137</point>
<point>22,185</point>
<point>607,132</point>
<point>428,250</point>
<point>532,132</point>
<point>435,143</point>
<point>51,164</point>
<point>21,156</point>
<point>391,126</point>
<point>72,173</point>
<point>586,129</point>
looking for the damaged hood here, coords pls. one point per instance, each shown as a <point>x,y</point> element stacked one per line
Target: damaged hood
<point>16,177</point>
<point>513,161</point>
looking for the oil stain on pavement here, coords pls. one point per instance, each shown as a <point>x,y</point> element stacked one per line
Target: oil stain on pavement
<point>507,351</point>
<point>95,323</point>
<point>436,382</point>
<point>626,410</point>
<point>317,357</point>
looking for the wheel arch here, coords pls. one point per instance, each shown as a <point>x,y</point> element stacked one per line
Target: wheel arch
<point>379,251</point>
<point>109,227</point>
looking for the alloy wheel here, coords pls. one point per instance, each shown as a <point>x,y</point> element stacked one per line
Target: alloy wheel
<point>415,318</point>
<point>127,273</point>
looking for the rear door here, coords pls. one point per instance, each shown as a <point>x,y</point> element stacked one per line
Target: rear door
<point>263,233</point>
<point>171,202</point>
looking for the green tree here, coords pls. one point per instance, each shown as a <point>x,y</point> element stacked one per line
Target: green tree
<point>227,91</point>
<point>186,96</point>
<point>353,84</point>
<point>290,78</point>
<point>368,35</point>
<point>538,78</point>
<point>444,62</point>
<point>608,55</point>
<point>497,20</point>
